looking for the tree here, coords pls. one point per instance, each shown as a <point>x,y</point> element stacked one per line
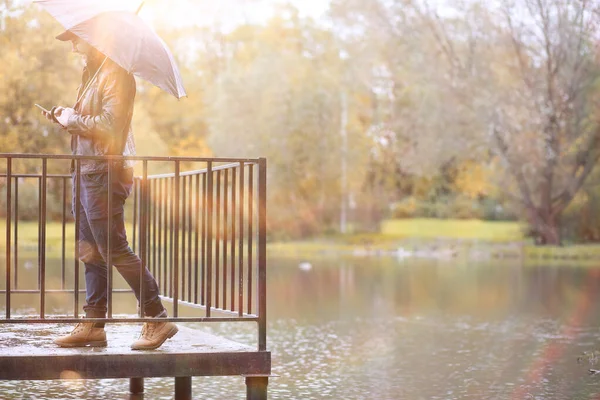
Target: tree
<point>34,70</point>
<point>275,91</point>
<point>417,128</point>
<point>516,83</point>
<point>560,79</point>
<point>539,101</point>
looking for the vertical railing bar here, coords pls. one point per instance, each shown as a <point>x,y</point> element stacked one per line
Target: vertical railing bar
<point>77,208</point>
<point>204,211</point>
<point>196,231</point>
<point>209,239</point>
<point>165,280</point>
<point>250,232</point>
<point>16,233</point>
<point>218,241</point>
<point>135,212</point>
<point>171,236</point>
<point>190,220</point>
<point>153,204</point>
<point>144,203</point>
<point>241,244</point>
<point>109,218</point>
<point>233,235</point>
<point>39,271</point>
<point>160,201</point>
<point>64,235</point>
<point>8,223</point>
<point>225,233</point>
<point>43,200</point>
<point>262,254</point>
<point>148,223</point>
<point>183,233</point>
<point>176,244</point>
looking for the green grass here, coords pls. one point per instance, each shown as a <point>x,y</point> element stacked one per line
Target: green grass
<point>28,236</point>
<point>422,228</point>
<point>407,233</point>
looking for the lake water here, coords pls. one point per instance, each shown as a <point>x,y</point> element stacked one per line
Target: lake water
<point>382,328</point>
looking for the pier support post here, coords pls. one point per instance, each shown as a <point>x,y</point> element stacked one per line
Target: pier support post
<point>183,388</point>
<point>256,387</point>
<point>136,385</point>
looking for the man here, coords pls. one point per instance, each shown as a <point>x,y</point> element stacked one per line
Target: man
<point>100,124</point>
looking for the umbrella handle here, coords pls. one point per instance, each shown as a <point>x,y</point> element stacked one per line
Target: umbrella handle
<point>140,7</point>
<point>90,82</point>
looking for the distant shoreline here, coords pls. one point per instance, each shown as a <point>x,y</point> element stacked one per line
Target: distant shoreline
<point>443,249</point>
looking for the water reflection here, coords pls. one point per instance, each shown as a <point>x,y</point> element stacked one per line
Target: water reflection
<point>387,329</point>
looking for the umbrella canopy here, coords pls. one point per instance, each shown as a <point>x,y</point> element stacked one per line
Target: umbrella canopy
<point>122,36</point>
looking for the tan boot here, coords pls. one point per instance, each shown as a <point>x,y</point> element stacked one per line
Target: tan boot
<point>83,335</point>
<point>154,334</point>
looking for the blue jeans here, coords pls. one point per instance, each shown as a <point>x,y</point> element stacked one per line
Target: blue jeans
<point>93,240</point>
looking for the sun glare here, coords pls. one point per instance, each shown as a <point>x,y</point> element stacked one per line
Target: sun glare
<point>223,13</point>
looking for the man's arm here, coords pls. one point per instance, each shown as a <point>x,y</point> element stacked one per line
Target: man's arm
<point>118,94</point>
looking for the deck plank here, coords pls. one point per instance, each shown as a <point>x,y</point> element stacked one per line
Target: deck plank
<point>27,352</point>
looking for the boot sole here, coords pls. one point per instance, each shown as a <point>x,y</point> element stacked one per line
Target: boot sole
<point>171,333</point>
<point>100,343</point>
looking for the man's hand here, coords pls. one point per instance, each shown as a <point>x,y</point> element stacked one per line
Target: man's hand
<point>63,114</point>
<point>47,115</point>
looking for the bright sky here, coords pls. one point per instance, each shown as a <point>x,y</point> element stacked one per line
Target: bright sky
<point>224,13</point>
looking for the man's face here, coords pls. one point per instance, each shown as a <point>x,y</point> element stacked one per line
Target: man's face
<point>82,48</point>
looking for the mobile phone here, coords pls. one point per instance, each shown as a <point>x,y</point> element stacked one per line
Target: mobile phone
<point>42,108</point>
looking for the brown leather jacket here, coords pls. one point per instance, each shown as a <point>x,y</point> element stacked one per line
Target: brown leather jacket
<point>101,124</point>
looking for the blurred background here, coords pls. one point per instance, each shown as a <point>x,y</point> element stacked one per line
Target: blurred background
<point>367,110</point>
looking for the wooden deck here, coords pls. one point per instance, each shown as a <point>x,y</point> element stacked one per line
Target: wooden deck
<point>27,353</point>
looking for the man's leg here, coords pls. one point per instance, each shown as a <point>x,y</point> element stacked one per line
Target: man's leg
<point>88,334</point>
<point>94,202</point>
<point>129,265</point>
<point>122,257</point>
<point>127,262</point>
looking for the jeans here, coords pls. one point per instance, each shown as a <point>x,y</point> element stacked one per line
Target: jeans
<point>93,241</point>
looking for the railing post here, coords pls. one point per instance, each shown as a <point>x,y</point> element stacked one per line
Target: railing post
<point>144,200</point>
<point>203,218</point>
<point>183,388</point>
<point>225,233</point>
<point>181,293</point>
<point>77,207</point>
<point>166,235</point>
<point>217,240</point>
<point>159,250</point>
<point>197,237</point>
<point>233,236</point>
<point>250,233</point>
<point>262,254</point>
<point>16,233</point>
<point>109,276</point>
<point>42,239</point>
<point>8,223</point>
<point>135,214</point>
<point>209,234</point>
<point>256,387</point>
<point>136,385</point>
<point>176,245</point>
<point>241,244</point>
<point>63,274</point>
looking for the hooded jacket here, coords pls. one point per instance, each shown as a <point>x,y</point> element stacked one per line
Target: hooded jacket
<point>101,124</point>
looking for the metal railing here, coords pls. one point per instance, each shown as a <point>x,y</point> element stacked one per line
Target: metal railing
<point>202,234</point>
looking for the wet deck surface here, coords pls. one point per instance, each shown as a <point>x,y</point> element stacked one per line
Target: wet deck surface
<point>27,352</point>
